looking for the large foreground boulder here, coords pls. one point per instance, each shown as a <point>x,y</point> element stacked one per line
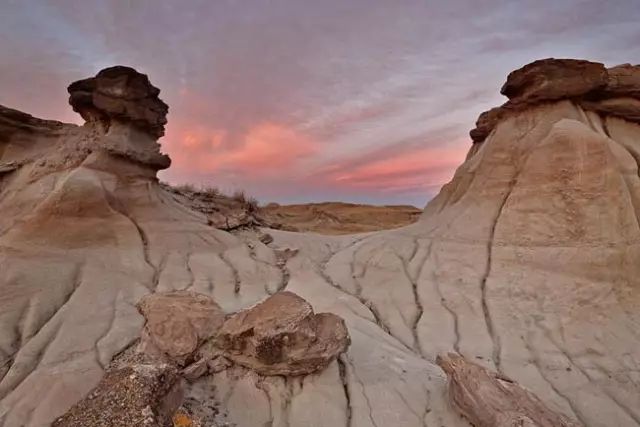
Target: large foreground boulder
<point>177,323</point>
<point>282,336</point>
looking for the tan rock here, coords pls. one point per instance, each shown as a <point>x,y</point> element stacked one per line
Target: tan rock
<point>218,364</point>
<point>195,370</point>
<point>178,322</point>
<point>488,399</point>
<point>282,336</point>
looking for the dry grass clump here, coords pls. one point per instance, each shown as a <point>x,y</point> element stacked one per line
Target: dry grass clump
<point>210,190</point>
<point>184,188</point>
<point>250,203</point>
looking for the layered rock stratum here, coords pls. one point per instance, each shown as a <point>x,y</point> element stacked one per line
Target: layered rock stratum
<point>526,264</point>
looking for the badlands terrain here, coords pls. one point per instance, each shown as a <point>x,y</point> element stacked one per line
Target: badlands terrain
<point>512,301</point>
<point>339,218</point>
<point>230,212</point>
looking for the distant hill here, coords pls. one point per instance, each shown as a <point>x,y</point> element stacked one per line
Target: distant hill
<point>339,218</point>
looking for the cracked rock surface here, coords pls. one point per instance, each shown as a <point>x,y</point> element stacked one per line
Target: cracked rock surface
<point>525,263</point>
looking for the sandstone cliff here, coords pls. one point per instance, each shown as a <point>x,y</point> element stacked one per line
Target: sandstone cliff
<point>526,262</point>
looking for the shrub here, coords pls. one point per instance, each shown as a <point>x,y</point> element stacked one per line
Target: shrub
<point>252,204</point>
<point>210,190</point>
<point>239,196</point>
<point>186,188</point>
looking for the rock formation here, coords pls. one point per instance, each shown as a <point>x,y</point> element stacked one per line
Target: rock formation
<point>610,92</point>
<point>525,263</point>
<point>120,95</point>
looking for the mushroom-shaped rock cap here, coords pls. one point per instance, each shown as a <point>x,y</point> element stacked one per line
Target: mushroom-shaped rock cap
<point>608,91</point>
<point>550,79</point>
<point>120,93</point>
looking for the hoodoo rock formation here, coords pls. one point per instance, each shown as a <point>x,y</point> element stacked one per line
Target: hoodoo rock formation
<point>526,263</point>
<point>120,94</point>
<point>610,92</point>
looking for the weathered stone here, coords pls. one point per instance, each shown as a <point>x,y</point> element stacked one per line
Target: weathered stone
<point>623,80</point>
<point>134,395</point>
<point>485,124</point>
<point>218,364</point>
<point>627,108</point>
<point>265,238</point>
<point>488,399</point>
<point>282,336</point>
<point>552,79</point>
<point>122,94</point>
<point>195,370</point>
<point>8,167</point>
<point>177,323</point>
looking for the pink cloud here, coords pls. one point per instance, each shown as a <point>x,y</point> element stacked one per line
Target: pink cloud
<point>407,170</point>
<point>263,150</point>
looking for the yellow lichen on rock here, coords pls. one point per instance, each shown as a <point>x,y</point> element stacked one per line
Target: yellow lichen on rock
<point>181,419</point>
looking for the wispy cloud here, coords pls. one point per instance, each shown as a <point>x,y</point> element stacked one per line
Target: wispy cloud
<point>369,100</point>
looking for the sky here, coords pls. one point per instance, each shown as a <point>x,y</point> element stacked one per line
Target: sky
<point>368,101</point>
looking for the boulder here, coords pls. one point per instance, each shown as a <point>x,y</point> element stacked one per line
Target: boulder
<point>120,94</point>
<point>282,336</point>
<point>177,323</point>
<point>488,399</point>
